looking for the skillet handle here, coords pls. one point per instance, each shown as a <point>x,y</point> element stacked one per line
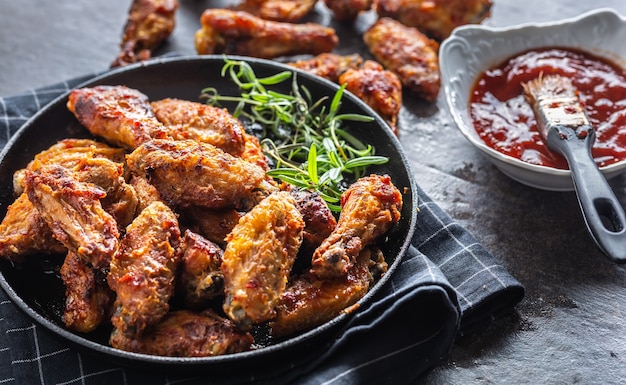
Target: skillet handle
<point>602,211</point>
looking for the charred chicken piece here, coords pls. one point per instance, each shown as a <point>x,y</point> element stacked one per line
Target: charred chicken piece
<point>348,10</point>
<point>435,18</point>
<point>329,65</point>
<point>214,225</point>
<point>258,258</point>
<point>192,120</point>
<point>370,207</point>
<point>25,232</point>
<point>289,11</point>
<point>143,269</point>
<point>408,53</point>
<point>188,173</point>
<point>68,153</point>
<point>149,23</point>
<point>184,333</point>
<point>120,115</point>
<point>88,299</point>
<point>319,221</point>
<point>200,277</point>
<point>73,211</point>
<point>309,301</point>
<point>240,33</point>
<point>378,88</point>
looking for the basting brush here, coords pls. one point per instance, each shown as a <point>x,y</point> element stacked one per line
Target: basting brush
<point>565,127</point>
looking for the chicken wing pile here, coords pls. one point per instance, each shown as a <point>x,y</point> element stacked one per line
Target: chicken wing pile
<point>177,241</point>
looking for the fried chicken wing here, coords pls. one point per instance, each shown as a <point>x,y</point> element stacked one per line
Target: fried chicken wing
<point>329,65</point>
<point>192,120</point>
<point>436,18</point>
<point>370,207</point>
<point>184,333</point>
<point>240,33</point>
<point>120,115</point>
<point>146,193</point>
<point>214,225</point>
<point>88,298</point>
<point>188,173</point>
<point>278,10</point>
<point>200,278</point>
<point>25,232</point>
<point>319,221</point>
<point>408,53</point>
<point>149,23</point>
<point>143,270</point>
<point>258,258</point>
<point>253,152</point>
<point>348,10</point>
<point>73,211</point>
<point>378,88</point>
<point>309,301</point>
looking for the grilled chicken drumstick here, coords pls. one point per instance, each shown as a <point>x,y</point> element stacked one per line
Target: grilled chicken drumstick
<point>240,33</point>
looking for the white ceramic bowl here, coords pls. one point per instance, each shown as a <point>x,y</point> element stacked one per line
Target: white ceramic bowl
<point>472,49</point>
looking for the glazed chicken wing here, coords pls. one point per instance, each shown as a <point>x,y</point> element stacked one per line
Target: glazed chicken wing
<point>258,258</point>
<point>240,33</point>
<point>348,10</point>
<point>184,333</point>
<point>370,207</point>
<point>192,120</point>
<point>143,270</point>
<point>378,88</point>
<point>149,23</point>
<point>329,65</point>
<point>25,232</point>
<point>200,278</point>
<point>309,301</point>
<point>408,53</point>
<point>436,18</point>
<point>189,173</point>
<point>278,10</point>
<point>73,211</point>
<point>88,298</point>
<point>120,115</point>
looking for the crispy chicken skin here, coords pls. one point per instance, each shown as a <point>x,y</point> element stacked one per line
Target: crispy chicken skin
<point>214,225</point>
<point>73,211</point>
<point>188,173</point>
<point>319,221</point>
<point>329,65</point>
<point>278,10</point>
<point>143,270</point>
<point>378,88</point>
<point>68,153</point>
<point>120,115</point>
<point>348,10</point>
<point>370,207</point>
<point>184,333</point>
<point>253,152</point>
<point>146,193</point>
<point>192,120</point>
<point>309,301</point>
<point>408,53</point>
<point>200,278</point>
<point>149,23</point>
<point>258,258</point>
<point>240,33</point>
<point>435,18</point>
<point>24,232</point>
<point>88,298</point>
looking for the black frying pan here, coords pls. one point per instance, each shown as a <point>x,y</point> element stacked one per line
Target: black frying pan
<point>40,294</point>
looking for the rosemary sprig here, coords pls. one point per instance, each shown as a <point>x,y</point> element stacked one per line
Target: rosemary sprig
<point>304,137</point>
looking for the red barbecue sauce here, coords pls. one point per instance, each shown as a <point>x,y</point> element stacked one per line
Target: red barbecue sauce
<point>504,120</point>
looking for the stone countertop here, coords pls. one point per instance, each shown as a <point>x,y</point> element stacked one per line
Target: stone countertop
<point>571,326</point>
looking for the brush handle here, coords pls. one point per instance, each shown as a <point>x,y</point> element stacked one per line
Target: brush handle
<point>602,211</point>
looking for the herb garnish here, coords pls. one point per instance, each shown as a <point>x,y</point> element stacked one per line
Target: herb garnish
<point>305,138</point>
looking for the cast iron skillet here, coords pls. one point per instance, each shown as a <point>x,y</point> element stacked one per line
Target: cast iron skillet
<point>38,291</point>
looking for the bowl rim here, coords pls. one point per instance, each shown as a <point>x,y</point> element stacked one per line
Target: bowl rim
<point>475,31</point>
